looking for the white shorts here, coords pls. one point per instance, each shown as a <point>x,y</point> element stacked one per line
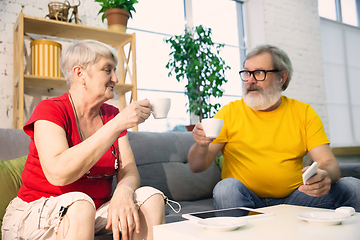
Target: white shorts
<point>40,219</point>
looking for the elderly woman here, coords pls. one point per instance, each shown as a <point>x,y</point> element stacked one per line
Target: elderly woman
<point>78,142</point>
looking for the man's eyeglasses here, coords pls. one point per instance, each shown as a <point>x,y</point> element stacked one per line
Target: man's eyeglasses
<point>259,75</point>
<point>110,174</point>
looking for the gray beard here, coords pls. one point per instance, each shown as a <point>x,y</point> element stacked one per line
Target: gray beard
<point>262,100</point>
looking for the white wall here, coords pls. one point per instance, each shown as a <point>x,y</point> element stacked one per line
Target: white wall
<point>9,11</point>
<point>293,26</point>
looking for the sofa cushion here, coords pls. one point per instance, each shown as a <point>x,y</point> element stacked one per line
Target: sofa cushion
<point>14,143</point>
<point>162,162</point>
<point>180,183</point>
<point>350,169</point>
<point>219,161</point>
<point>153,147</point>
<point>10,181</point>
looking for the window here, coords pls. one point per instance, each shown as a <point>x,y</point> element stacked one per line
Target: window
<point>153,24</point>
<point>341,58</point>
<point>327,9</point>
<point>348,12</point>
<point>345,11</point>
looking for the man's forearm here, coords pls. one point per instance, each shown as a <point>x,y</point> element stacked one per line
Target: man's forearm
<point>333,170</point>
<point>198,158</point>
<point>326,160</point>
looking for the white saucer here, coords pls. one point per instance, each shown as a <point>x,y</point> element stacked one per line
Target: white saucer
<point>324,218</point>
<point>222,223</point>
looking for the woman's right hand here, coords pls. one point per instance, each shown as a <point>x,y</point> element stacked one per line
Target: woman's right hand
<point>135,113</point>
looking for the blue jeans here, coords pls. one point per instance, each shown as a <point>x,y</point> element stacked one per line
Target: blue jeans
<point>230,193</point>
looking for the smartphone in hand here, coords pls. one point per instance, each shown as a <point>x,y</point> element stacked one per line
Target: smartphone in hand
<point>311,171</point>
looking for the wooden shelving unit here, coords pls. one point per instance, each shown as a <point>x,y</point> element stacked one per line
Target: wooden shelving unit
<point>24,25</point>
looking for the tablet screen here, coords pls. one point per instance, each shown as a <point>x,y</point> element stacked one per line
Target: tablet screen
<point>235,212</point>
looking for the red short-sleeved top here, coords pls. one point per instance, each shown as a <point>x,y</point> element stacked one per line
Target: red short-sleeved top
<point>35,185</point>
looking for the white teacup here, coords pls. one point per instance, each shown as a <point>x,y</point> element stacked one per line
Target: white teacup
<point>212,127</point>
<point>160,107</point>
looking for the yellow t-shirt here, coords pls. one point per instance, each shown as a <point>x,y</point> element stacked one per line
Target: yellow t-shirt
<point>265,150</point>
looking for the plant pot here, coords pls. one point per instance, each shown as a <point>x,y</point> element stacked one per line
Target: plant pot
<point>117,19</point>
<point>190,127</point>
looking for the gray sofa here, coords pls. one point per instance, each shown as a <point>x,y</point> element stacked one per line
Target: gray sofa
<point>162,162</point>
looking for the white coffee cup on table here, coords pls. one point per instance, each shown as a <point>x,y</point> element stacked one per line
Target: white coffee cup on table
<point>212,127</point>
<point>160,107</point>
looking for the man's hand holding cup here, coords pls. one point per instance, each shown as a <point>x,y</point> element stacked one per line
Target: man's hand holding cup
<point>206,131</point>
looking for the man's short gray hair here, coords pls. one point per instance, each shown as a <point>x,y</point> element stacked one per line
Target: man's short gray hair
<point>280,61</point>
<point>84,53</point>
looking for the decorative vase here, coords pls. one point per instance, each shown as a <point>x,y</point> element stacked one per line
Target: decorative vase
<point>117,19</point>
<point>45,57</point>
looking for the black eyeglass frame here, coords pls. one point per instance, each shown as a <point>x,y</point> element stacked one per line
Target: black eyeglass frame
<point>110,174</point>
<point>253,73</point>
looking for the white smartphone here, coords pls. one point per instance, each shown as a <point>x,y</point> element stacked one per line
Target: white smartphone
<point>240,212</point>
<point>311,171</point>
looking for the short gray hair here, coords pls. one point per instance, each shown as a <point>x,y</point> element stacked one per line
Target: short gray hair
<point>84,53</point>
<point>280,60</point>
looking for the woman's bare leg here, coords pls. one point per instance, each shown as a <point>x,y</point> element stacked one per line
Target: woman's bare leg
<point>78,222</point>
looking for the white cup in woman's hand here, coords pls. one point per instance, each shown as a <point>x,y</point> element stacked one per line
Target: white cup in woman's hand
<point>160,107</point>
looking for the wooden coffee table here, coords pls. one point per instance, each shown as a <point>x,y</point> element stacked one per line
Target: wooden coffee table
<point>284,224</point>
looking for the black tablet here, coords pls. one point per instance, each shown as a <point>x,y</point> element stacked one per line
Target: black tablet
<point>231,212</point>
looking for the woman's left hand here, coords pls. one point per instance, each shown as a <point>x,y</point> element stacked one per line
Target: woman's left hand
<point>123,214</point>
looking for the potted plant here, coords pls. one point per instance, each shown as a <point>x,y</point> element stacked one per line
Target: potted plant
<point>195,57</point>
<point>117,13</point>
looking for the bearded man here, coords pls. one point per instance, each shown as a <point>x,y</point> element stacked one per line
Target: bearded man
<point>264,138</point>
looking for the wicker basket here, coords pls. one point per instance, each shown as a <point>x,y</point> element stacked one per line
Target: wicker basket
<point>58,11</point>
